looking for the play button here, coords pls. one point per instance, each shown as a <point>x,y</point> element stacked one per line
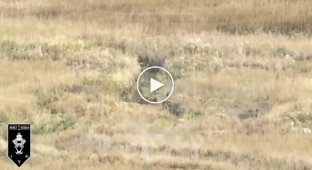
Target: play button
<point>155,85</point>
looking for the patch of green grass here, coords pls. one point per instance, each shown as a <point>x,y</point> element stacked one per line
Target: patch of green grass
<point>30,51</point>
<point>162,122</point>
<point>102,83</point>
<point>48,99</point>
<point>3,117</point>
<point>53,126</point>
<point>7,116</point>
<point>192,114</point>
<point>84,42</point>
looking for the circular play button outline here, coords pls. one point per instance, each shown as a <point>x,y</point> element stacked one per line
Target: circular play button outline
<point>155,67</point>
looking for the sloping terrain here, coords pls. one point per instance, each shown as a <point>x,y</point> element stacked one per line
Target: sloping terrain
<point>243,96</point>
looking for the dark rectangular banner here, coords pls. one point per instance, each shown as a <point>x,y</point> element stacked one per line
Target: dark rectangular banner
<point>19,143</point>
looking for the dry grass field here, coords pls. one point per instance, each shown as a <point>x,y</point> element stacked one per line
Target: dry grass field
<point>242,68</point>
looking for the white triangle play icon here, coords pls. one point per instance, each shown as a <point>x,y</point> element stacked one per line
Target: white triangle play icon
<point>154,85</point>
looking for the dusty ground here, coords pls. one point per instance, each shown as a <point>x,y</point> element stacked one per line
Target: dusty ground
<point>243,73</point>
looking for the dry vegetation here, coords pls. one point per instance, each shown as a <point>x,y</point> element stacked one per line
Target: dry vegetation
<point>243,71</point>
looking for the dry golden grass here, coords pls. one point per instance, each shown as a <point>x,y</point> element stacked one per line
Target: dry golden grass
<point>241,16</point>
<point>69,69</point>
